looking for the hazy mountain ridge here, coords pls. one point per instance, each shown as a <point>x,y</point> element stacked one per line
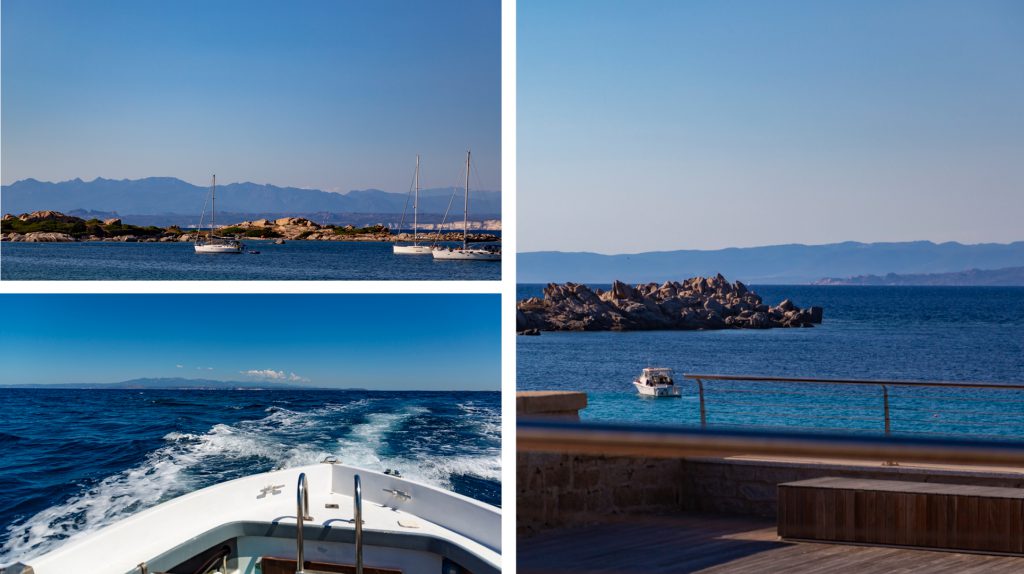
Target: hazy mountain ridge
<point>169,195</point>
<point>775,264</point>
<point>168,383</point>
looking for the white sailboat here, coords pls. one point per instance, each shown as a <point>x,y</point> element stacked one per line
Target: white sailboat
<point>415,248</point>
<point>467,253</point>
<point>353,519</point>
<point>212,243</point>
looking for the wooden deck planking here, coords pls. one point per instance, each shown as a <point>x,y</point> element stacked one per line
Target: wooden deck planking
<point>726,545</point>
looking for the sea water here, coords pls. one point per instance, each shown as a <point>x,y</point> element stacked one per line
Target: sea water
<point>72,461</point>
<point>963,334</point>
<point>295,260</point>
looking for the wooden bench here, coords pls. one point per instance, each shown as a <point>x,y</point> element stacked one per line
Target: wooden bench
<point>919,514</point>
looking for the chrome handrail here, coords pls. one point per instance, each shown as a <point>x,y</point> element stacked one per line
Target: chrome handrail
<point>761,378</point>
<point>357,513</point>
<point>885,386</point>
<point>301,515</point>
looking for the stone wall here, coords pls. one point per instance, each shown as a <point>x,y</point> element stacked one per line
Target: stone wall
<point>555,490</point>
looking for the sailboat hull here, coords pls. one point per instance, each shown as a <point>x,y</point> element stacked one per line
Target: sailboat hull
<point>217,248</point>
<point>412,249</point>
<point>467,255</point>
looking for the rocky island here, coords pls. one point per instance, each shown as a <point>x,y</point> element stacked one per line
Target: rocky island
<point>692,304</point>
<point>54,226</point>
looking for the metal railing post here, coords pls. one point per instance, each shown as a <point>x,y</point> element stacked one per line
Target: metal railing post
<point>888,420</point>
<point>357,514</point>
<point>703,411</point>
<point>301,515</point>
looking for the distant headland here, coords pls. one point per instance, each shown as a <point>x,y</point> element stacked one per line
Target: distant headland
<point>54,226</point>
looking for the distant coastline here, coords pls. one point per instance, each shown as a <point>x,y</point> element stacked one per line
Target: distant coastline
<point>181,384</point>
<point>793,264</point>
<point>57,227</point>
<point>1005,277</point>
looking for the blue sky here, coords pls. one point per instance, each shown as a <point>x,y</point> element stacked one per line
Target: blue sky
<point>380,342</point>
<point>327,94</point>
<point>660,125</point>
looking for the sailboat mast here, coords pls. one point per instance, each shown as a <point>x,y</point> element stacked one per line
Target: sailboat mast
<point>416,202</point>
<point>465,210</point>
<point>213,222</point>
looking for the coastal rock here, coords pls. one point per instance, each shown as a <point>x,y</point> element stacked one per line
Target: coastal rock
<point>47,216</point>
<point>47,237</point>
<point>112,221</point>
<point>692,304</point>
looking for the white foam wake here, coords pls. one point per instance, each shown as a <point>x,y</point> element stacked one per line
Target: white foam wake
<point>282,439</point>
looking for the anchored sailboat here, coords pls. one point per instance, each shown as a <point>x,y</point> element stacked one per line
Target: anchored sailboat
<point>415,248</point>
<point>467,253</point>
<point>212,243</point>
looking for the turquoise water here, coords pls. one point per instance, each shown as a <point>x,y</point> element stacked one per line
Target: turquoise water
<point>961,334</point>
<point>295,260</point>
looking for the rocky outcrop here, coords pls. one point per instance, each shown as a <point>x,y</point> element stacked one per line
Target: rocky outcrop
<point>36,216</point>
<point>696,303</point>
<point>39,237</point>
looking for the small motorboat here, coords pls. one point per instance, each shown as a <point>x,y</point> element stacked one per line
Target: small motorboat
<point>656,382</point>
<point>253,252</point>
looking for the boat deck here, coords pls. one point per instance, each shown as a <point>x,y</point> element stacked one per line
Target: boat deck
<point>720,544</point>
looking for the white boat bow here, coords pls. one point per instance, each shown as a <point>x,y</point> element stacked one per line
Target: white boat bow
<point>249,525</point>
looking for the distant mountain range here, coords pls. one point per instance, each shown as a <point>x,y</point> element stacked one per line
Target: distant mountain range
<point>168,195</point>
<point>171,383</point>
<point>1006,277</point>
<point>776,264</point>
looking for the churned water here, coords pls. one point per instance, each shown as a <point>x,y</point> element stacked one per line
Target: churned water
<point>72,461</point>
<point>966,334</point>
<point>295,260</point>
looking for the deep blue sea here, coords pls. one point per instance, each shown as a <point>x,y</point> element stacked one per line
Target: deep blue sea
<point>72,461</point>
<point>965,334</point>
<point>295,260</point>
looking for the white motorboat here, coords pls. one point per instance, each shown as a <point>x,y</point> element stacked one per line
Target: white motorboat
<point>656,382</point>
<point>415,248</point>
<point>327,517</point>
<point>211,243</point>
<point>466,252</point>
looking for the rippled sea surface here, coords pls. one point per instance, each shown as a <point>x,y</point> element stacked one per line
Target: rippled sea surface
<point>298,260</point>
<point>72,461</point>
<point>966,334</point>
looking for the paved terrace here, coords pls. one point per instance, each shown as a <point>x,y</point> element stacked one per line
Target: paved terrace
<point>719,544</point>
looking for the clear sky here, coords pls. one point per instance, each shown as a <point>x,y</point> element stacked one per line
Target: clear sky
<point>334,95</point>
<point>380,342</point>
<point>658,125</point>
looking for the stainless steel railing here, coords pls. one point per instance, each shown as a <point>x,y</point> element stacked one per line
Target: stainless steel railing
<point>357,515</point>
<point>920,408</point>
<point>301,515</point>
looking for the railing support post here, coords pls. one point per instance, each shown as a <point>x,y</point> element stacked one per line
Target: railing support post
<point>357,515</point>
<point>888,420</point>
<point>703,411</point>
<point>301,516</point>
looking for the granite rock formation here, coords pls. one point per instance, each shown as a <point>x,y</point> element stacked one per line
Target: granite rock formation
<point>693,304</point>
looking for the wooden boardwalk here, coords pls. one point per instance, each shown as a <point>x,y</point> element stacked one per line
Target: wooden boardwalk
<point>720,544</point>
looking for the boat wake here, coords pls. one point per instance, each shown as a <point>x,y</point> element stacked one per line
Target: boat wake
<point>369,433</point>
